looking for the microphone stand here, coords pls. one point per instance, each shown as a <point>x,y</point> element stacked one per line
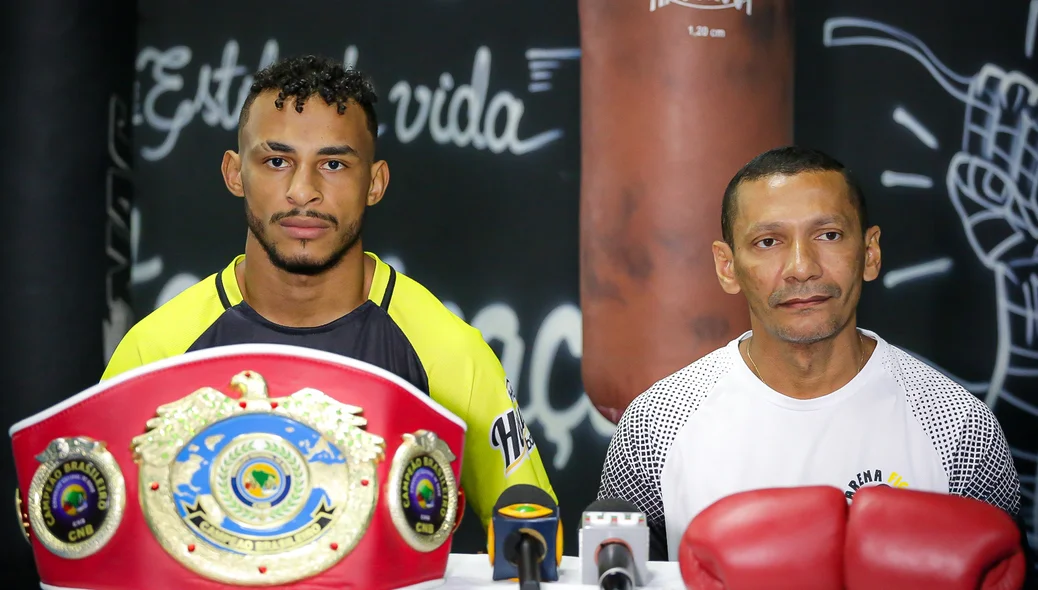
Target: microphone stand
<point>528,565</point>
<point>615,564</point>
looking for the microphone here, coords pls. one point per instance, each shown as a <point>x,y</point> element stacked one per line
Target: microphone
<point>614,545</point>
<point>525,536</point>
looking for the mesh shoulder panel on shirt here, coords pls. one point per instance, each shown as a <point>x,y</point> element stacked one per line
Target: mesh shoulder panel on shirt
<point>646,431</point>
<point>963,429</point>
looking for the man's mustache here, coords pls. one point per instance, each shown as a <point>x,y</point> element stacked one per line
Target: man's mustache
<point>305,213</point>
<point>803,292</point>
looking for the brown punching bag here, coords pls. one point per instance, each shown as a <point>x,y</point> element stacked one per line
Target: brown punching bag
<point>676,96</point>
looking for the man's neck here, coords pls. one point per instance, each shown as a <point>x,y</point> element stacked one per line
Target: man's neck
<point>301,301</point>
<point>807,371</point>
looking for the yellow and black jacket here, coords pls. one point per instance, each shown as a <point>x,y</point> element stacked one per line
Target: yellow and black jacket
<point>402,328</point>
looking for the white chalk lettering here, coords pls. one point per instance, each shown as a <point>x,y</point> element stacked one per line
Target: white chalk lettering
<point>452,113</point>
<point>213,106</point>
<point>482,118</point>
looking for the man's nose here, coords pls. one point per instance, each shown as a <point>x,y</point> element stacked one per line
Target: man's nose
<point>303,190</point>
<point>802,264</point>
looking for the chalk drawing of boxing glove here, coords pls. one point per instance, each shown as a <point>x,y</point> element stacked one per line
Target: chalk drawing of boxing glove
<point>992,183</point>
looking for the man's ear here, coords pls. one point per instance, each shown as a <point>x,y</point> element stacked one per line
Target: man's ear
<point>379,182</point>
<point>873,256</point>
<point>724,266</point>
<point>231,169</point>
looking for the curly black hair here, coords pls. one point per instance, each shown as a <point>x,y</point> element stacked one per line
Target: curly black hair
<point>309,75</point>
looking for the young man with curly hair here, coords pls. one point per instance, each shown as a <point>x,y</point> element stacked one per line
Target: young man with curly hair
<point>306,172</point>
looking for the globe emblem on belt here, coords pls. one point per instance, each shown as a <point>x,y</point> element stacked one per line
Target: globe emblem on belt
<point>426,492</point>
<point>259,477</point>
<point>74,500</point>
<point>260,480</point>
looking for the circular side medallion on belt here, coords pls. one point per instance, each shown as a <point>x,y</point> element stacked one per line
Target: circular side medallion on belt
<point>258,491</point>
<point>76,498</point>
<point>423,494</point>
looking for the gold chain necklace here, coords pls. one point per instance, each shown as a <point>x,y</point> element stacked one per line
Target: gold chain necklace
<point>861,363</point>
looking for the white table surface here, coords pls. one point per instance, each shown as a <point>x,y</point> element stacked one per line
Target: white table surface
<point>466,571</point>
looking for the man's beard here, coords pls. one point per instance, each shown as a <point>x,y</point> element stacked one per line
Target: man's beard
<point>304,265</point>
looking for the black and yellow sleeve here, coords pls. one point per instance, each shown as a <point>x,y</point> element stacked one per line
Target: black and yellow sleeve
<point>466,377</point>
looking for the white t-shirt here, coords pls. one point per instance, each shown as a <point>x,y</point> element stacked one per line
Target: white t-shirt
<point>713,429</point>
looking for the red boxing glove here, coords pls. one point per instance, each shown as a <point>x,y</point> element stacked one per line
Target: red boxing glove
<point>899,538</point>
<point>767,539</point>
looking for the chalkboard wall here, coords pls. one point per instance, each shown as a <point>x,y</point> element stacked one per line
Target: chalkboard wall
<point>490,205</point>
<point>902,92</point>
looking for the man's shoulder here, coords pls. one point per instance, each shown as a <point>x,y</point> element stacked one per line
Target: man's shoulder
<point>170,329</point>
<point>951,415</point>
<point>649,427</point>
<point>187,308</point>
<point>689,385</point>
<point>662,409</point>
<point>963,430</point>
<point>925,386</point>
<point>428,323</point>
<point>453,353</point>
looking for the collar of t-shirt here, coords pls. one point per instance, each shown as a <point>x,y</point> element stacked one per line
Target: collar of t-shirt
<point>746,379</point>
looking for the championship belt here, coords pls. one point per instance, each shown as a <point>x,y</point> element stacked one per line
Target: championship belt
<point>248,465</point>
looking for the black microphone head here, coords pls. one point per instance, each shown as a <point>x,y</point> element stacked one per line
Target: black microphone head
<point>611,505</point>
<point>524,493</point>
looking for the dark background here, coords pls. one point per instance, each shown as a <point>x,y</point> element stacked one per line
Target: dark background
<point>844,104</point>
<point>492,234</point>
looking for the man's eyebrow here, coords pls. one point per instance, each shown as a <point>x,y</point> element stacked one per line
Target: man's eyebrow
<point>765,227</point>
<point>337,150</point>
<point>277,146</point>
<point>830,220</point>
<point>771,226</point>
